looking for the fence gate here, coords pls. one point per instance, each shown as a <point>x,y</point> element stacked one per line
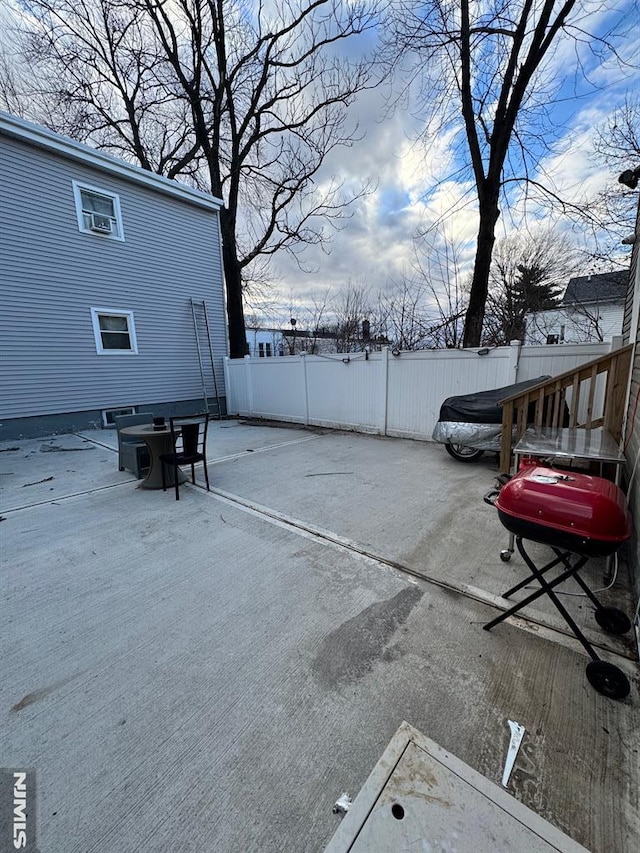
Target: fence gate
<point>204,347</point>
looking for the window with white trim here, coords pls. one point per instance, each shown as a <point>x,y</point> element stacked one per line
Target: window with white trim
<point>98,211</point>
<point>109,415</point>
<point>114,332</point>
<point>264,350</point>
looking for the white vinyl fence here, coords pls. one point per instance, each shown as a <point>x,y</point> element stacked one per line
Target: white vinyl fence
<point>382,393</point>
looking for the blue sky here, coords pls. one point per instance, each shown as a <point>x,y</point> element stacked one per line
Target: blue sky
<point>414,190</point>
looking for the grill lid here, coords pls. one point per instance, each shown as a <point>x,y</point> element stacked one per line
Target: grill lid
<point>588,507</point>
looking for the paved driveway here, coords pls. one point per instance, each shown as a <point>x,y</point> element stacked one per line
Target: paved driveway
<point>211,674</point>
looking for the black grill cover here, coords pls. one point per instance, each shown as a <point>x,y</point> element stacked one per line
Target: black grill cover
<point>482,407</point>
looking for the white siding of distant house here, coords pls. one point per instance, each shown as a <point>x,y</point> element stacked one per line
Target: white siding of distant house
<point>52,274</point>
<point>272,337</point>
<point>579,325</point>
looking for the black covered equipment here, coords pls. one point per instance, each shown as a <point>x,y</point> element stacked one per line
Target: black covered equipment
<point>482,407</point>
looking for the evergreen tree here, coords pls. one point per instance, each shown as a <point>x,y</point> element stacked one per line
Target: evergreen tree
<point>527,275</point>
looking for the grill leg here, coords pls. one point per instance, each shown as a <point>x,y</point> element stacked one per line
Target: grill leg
<point>611,619</point>
<point>544,586</point>
<point>547,588</point>
<point>603,676</point>
<point>560,559</point>
<point>588,592</point>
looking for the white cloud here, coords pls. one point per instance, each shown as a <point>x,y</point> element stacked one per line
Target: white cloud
<point>413,192</point>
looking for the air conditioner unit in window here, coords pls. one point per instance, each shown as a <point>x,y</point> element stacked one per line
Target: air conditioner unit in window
<point>100,223</point>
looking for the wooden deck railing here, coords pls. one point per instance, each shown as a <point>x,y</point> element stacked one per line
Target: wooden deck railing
<point>545,405</point>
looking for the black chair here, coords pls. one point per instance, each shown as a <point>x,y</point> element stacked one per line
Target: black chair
<point>189,439</point>
<point>133,453</point>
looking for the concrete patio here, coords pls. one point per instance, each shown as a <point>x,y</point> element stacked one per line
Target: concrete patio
<point>211,674</point>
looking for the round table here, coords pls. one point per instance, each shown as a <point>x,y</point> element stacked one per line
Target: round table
<point>158,441</point>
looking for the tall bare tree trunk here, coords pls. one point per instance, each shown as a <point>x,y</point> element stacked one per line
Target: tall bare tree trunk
<point>474,318</point>
<point>488,57</point>
<point>194,86</point>
<point>233,284</point>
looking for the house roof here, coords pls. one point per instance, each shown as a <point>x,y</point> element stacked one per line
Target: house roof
<point>41,137</point>
<point>607,287</point>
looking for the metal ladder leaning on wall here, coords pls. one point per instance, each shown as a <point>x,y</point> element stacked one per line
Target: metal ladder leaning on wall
<point>200,318</point>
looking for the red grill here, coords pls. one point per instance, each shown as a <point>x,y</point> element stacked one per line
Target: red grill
<point>582,514</point>
<point>579,517</point>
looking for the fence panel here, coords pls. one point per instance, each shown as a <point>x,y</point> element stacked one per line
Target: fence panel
<point>345,391</point>
<point>278,388</point>
<point>420,381</point>
<point>237,388</point>
<point>553,360</point>
<point>392,395</point>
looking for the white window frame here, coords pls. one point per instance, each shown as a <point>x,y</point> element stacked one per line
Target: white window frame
<point>118,232</point>
<point>97,333</point>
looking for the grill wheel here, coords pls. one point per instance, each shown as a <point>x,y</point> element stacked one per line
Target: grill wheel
<point>608,679</point>
<point>612,620</point>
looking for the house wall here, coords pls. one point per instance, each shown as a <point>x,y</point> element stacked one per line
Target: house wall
<point>399,396</point>
<point>52,274</point>
<point>632,452</point>
<point>272,337</point>
<point>628,308</point>
<point>631,333</point>
<point>579,327</point>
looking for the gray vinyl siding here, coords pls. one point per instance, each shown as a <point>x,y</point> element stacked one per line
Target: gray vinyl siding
<point>633,414</point>
<point>633,452</point>
<point>635,260</point>
<point>626,320</point>
<point>52,274</point>
<point>633,465</point>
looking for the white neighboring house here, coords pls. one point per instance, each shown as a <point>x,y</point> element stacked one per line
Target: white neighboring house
<point>265,343</point>
<point>591,311</point>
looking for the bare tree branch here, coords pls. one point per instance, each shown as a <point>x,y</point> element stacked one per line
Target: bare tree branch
<point>483,73</point>
<point>245,106</point>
